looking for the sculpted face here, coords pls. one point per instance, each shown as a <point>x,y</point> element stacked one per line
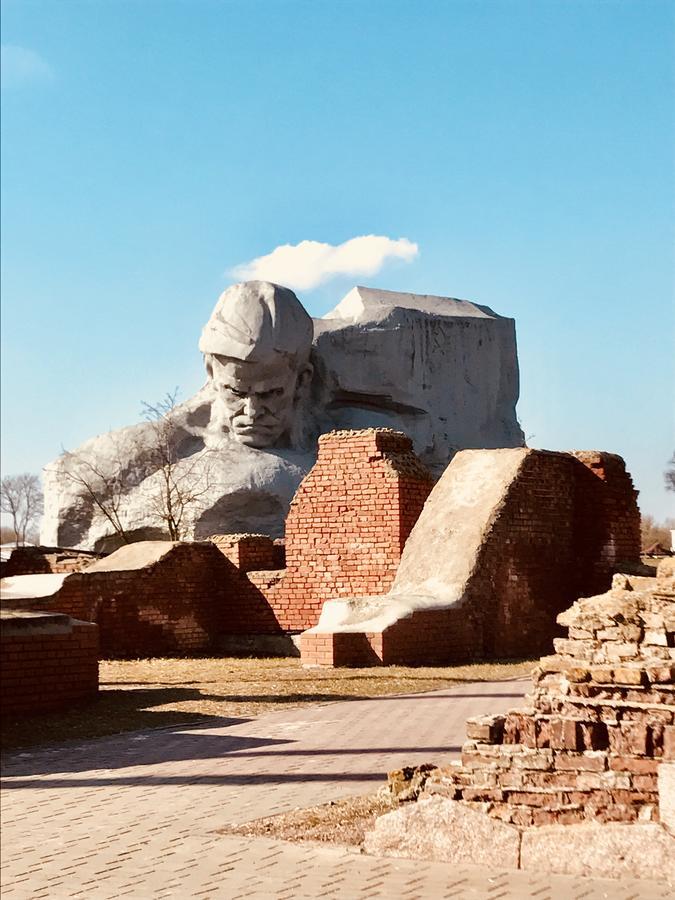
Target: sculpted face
<point>256,399</point>
<point>257,346</point>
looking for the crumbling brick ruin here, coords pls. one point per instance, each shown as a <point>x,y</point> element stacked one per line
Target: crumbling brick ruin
<point>250,581</point>
<point>490,555</point>
<point>48,662</point>
<point>251,552</point>
<point>601,718</point>
<point>46,560</point>
<point>345,533</point>
<point>596,744</point>
<point>148,598</point>
<point>506,541</point>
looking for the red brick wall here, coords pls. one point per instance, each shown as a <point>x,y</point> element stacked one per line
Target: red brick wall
<point>607,525</point>
<point>249,602</point>
<point>249,552</point>
<point>48,667</point>
<point>46,560</point>
<point>182,603</point>
<point>176,605</point>
<point>566,523</point>
<point>548,546</point>
<point>349,521</point>
<point>252,580</point>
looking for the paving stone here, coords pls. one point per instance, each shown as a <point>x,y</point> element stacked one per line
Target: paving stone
<point>143,810</point>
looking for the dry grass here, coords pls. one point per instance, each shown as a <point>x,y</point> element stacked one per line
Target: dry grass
<point>344,821</point>
<point>155,693</point>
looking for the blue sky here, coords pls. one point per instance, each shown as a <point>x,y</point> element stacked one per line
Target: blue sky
<point>151,146</point>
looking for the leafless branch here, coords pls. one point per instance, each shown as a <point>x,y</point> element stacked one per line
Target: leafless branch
<point>21,497</point>
<point>182,479</point>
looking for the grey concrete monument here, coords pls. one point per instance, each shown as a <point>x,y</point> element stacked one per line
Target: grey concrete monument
<point>444,371</point>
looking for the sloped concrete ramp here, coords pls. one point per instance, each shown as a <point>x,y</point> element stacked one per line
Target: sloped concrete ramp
<point>506,541</point>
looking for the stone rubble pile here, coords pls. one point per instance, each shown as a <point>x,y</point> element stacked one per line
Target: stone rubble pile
<point>580,781</point>
<point>600,720</point>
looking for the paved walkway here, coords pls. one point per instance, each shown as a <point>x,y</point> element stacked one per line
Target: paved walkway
<point>137,815</point>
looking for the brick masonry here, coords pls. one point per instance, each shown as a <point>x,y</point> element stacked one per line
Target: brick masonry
<point>250,552</point>
<point>601,719</point>
<point>345,533</point>
<point>175,603</point>
<point>565,524</point>
<point>46,560</point>
<point>48,662</point>
<point>252,578</point>
<point>348,522</point>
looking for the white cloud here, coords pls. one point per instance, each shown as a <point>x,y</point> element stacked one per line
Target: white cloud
<point>21,66</point>
<point>310,263</point>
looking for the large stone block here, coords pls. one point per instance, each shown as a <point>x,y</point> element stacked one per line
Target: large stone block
<point>666,783</point>
<point>609,850</point>
<point>445,830</point>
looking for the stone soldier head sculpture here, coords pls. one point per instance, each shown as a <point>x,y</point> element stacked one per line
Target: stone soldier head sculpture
<point>256,347</point>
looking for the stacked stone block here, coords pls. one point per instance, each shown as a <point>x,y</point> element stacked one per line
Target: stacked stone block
<point>47,662</point>
<point>601,719</point>
<point>349,521</point>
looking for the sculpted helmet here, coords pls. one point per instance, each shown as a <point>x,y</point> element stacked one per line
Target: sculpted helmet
<point>255,320</point>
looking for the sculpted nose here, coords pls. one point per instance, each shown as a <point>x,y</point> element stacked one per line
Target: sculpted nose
<point>251,406</point>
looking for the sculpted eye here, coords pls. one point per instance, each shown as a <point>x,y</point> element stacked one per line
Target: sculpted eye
<point>231,390</point>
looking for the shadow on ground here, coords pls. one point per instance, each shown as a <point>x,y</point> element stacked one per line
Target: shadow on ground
<point>112,712</point>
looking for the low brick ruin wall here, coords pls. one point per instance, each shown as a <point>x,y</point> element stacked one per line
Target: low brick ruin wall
<point>47,560</point>
<point>251,552</point>
<point>251,581</point>
<point>485,577</point>
<point>157,597</point>
<point>47,662</point>
<point>149,598</point>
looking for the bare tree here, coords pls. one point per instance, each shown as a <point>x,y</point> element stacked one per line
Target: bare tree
<point>653,532</point>
<point>669,474</point>
<point>103,479</point>
<point>181,477</point>
<point>21,497</point>
<point>165,461</point>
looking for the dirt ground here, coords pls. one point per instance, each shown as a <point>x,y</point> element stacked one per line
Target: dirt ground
<point>338,822</point>
<point>155,693</point>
